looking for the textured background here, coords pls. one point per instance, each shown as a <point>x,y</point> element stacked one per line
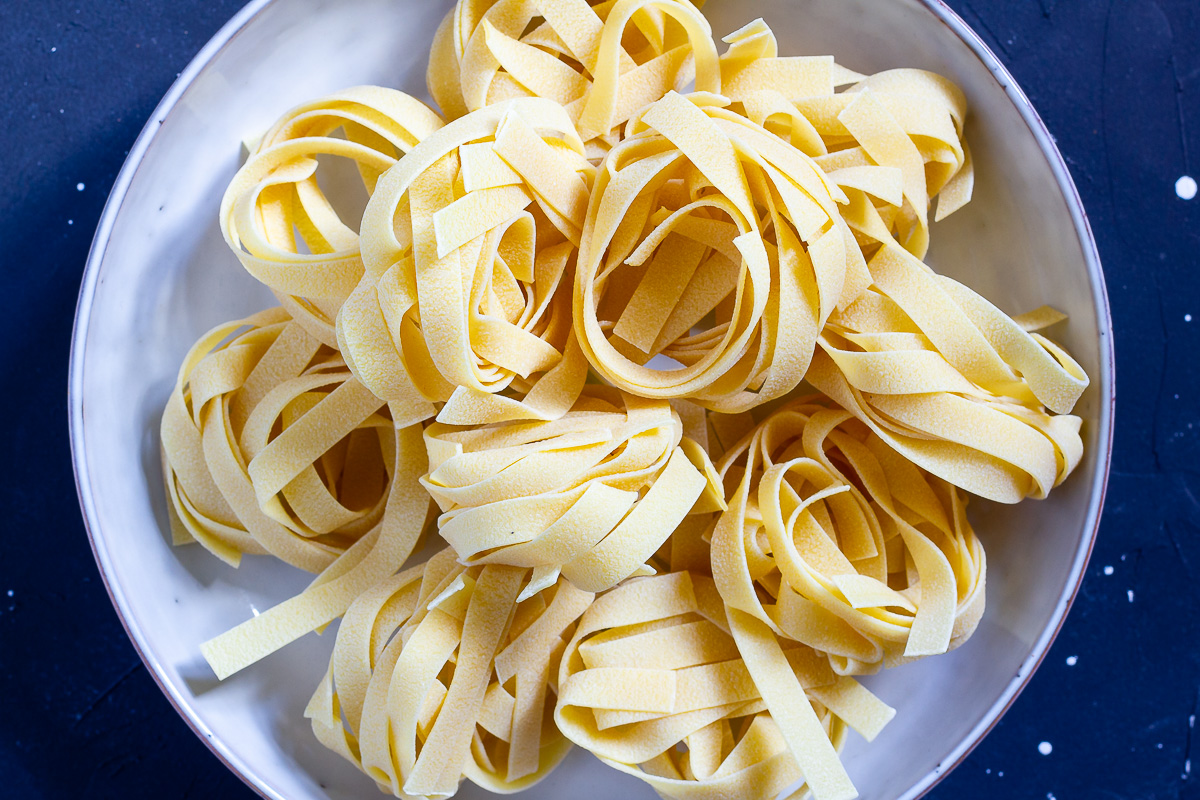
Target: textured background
<point>1118,84</point>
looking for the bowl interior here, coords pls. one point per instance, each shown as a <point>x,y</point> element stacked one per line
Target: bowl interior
<point>163,275</point>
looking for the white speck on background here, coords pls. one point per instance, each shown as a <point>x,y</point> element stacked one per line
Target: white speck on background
<point>1072,661</point>
<point>1129,594</point>
<point>1000,774</point>
<point>1187,317</point>
<point>1185,187</point>
<point>70,222</point>
<point>1187,767</point>
<point>1045,748</point>
<point>79,187</point>
<point>1108,570</point>
<point>1122,554</point>
<point>55,50</point>
<point>988,771</point>
<point>10,592</point>
<point>1192,721</point>
<point>1050,796</point>
<point>1159,745</point>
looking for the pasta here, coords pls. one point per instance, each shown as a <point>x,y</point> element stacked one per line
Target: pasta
<point>601,61</point>
<point>270,445</point>
<point>653,665</point>
<point>701,212</point>
<point>614,260</point>
<point>441,673</point>
<point>590,496</point>
<point>466,243</point>
<point>274,210</point>
<point>304,495</point>
<point>951,382</point>
<point>834,540</point>
<point>892,140</point>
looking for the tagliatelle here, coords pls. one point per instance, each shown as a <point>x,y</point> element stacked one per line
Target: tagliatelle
<point>278,220</point>
<point>705,215</point>
<point>271,446</point>
<point>892,141</point>
<point>592,495</point>
<point>654,664</point>
<point>953,383</point>
<point>466,243</point>
<point>441,673</point>
<point>834,540</point>
<point>602,61</point>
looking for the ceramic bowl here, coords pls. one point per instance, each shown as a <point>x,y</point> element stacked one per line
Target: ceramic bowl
<point>159,275</point>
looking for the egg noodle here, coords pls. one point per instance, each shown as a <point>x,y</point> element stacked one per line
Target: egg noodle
<point>857,552</point>
<point>274,209</point>
<point>568,340</point>
<point>446,671</point>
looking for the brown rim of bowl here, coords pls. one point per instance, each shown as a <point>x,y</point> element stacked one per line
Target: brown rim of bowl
<point>1083,231</point>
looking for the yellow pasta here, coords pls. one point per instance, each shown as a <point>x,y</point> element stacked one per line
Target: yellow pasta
<point>834,540</point>
<point>891,141</point>
<point>703,215</point>
<point>953,383</point>
<point>271,446</point>
<point>466,244</point>
<point>654,684</point>
<point>590,496</point>
<point>279,222</point>
<point>601,61</point>
<point>441,673</point>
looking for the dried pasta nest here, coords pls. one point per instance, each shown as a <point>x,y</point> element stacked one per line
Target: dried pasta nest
<point>834,540</point>
<point>270,445</point>
<point>601,61</point>
<point>954,384</point>
<point>893,141</point>
<point>277,217</point>
<point>715,244</point>
<point>441,673</point>
<point>590,496</point>
<point>894,145</point>
<point>466,244</point>
<point>653,683</point>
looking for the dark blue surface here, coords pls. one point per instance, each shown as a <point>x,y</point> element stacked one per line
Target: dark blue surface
<point>1117,83</point>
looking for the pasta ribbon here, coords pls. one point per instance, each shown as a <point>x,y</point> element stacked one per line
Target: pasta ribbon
<point>271,446</point>
<point>953,383</point>
<point>441,673</point>
<point>703,216</point>
<point>466,244</point>
<point>832,539</point>
<point>590,496</point>
<point>601,61</point>
<point>277,219</point>
<point>892,141</point>
<point>655,684</point>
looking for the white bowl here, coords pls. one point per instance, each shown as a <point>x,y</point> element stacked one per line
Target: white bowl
<point>159,274</point>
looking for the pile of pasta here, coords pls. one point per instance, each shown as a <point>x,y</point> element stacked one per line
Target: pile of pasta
<point>570,347</point>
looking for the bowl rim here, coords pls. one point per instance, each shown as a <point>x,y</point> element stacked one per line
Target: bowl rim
<point>181,700</point>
